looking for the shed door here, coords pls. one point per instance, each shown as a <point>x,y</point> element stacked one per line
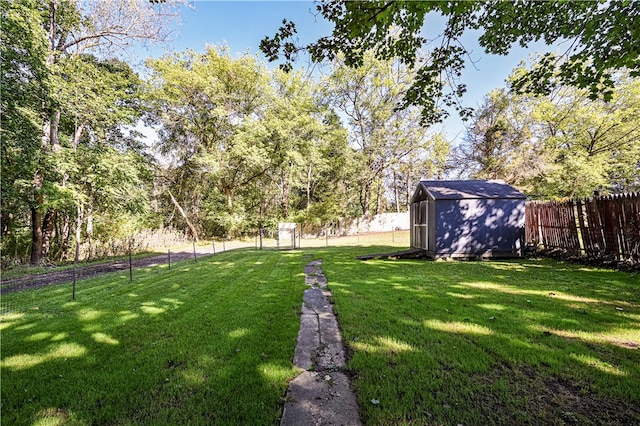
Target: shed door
<point>420,214</point>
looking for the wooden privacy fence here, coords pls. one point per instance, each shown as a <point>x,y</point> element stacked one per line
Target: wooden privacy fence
<point>602,226</point>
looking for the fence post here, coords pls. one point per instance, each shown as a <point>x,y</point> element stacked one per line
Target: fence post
<point>73,295</point>
<point>75,263</point>
<point>293,238</point>
<point>169,258</point>
<point>195,258</point>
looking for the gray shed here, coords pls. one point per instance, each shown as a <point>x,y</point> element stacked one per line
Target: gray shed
<point>467,218</point>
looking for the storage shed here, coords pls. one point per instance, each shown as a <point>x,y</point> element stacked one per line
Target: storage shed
<point>467,218</point>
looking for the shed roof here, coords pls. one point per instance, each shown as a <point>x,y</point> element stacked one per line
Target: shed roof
<point>466,189</point>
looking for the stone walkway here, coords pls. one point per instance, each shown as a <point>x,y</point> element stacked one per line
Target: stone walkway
<point>321,394</point>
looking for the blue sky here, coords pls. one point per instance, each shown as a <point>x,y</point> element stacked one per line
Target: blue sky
<point>242,24</point>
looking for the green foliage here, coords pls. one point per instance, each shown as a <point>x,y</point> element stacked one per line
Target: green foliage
<point>65,100</point>
<point>96,94</point>
<point>101,179</point>
<point>561,145</point>
<point>209,106</point>
<point>603,37</point>
<point>249,146</point>
<point>62,114</point>
<point>501,143</point>
<point>392,148</point>
<point>24,89</point>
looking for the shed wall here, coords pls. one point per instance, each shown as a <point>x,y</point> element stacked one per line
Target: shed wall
<point>477,227</point>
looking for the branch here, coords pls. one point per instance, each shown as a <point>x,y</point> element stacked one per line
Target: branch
<point>184,216</point>
<point>380,10</point>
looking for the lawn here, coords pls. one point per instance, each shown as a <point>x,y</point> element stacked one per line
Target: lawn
<point>500,342</point>
<point>203,343</point>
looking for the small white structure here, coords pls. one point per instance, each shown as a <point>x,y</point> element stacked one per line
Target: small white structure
<point>287,234</point>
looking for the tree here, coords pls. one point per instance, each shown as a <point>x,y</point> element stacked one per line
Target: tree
<point>430,159</point>
<point>65,45</point>
<point>248,145</point>
<point>503,140</point>
<point>24,89</point>
<point>313,144</point>
<point>383,136</point>
<point>602,37</point>
<point>593,145</point>
<point>210,106</point>
<point>561,145</point>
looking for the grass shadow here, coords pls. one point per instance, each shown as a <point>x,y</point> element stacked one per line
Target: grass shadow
<point>503,342</point>
<point>203,343</point>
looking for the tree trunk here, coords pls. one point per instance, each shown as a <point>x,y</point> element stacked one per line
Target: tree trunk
<point>7,223</point>
<point>396,193</point>
<point>284,194</point>
<point>228,193</point>
<point>76,136</point>
<point>365,198</point>
<point>309,187</point>
<point>36,235</point>
<point>156,193</point>
<point>48,129</point>
<point>64,232</point>
<point>184,216</point>
<point>53,9</point>
<point>46,134</point>
<point>48,231</point>
<point>36,218</point>
<point>53,138</point>
<point>78,234</point>
<point>89,229</point>
<point>408,190</point>
<point>379,198</point>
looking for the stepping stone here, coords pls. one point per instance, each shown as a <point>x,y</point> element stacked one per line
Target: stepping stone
<point>320,399</point>
<point>322,396</point>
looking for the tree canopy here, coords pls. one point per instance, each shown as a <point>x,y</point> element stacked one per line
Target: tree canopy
<point>601,37</point>
<point>558,146</point>
<point>246,146</point>
<point>65,96</point>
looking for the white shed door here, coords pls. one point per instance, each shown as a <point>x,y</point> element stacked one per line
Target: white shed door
<point>420,215</point>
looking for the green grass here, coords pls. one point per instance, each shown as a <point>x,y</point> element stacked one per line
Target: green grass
<point>500,342</point>
<point>205,343</point>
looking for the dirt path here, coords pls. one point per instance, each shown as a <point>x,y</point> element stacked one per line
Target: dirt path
<point>65,276</point>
